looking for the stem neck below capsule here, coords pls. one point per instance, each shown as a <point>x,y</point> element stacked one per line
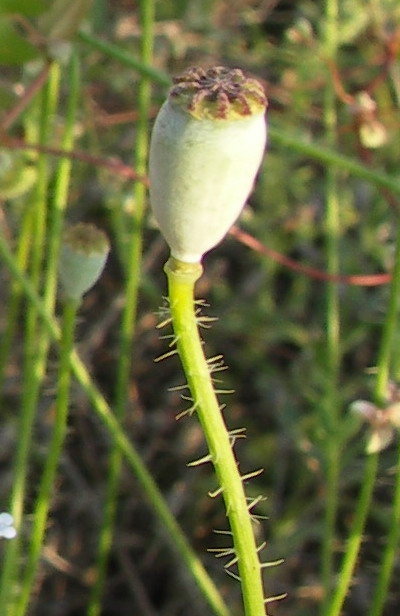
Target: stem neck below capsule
<point>186,272</point>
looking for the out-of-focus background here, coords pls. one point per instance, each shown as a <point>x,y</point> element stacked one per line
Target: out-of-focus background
<point>272,325</point>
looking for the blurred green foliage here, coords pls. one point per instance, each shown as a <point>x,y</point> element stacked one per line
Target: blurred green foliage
<point>271,325</point>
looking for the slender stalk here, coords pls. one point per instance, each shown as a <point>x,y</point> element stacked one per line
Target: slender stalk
<point>345,575</point>
<point>393,537</point>
<point>14,299</point>
<point>133,268</point>
<point>327,156</point>
<point>332,226</point>
<point>52,457</point>
<point>142,65</point>
<point>181,281</point>
<point>60,195</point>
<point>62,178</point>
<point>35,354</point>
<point>371,467</point>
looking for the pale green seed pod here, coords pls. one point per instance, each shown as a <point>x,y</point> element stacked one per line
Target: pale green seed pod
<point>206,148</point>
<point>84,252</point>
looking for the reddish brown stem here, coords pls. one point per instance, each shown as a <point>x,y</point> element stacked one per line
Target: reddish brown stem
<point>112,164</point>
<point>14,113</point>
<point>363,280</point>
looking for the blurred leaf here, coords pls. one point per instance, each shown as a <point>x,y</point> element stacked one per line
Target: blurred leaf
<point>27,8</point>
<point>14,49</point>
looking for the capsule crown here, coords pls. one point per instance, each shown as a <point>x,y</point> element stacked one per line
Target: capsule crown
<point>217,93</point>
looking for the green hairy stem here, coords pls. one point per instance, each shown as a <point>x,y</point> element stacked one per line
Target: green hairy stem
<point>181,282</point>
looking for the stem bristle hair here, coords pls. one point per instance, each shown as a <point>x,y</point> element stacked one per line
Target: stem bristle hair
<point>166,355</point>
<point>200,461</point>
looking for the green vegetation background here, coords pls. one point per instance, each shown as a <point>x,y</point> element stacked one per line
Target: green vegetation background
<point>273,327</point>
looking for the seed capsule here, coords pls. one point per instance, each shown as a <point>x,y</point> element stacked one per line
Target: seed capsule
<point>206,147</point>
<point>84,252</point>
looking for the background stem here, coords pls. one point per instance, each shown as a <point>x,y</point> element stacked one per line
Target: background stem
<point>364,501</point>
<point>132,267</point>
<point>330,403</point>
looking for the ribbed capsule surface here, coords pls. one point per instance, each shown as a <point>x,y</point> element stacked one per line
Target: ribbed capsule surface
<point>206,147</point>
